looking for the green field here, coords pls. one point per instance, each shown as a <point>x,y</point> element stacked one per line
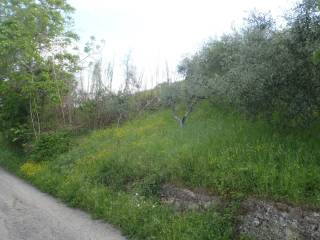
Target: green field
<point>116,173</point>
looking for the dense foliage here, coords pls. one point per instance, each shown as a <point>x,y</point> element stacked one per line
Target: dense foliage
<point>36,68</point>
<point>50,145</point>
<point>262,70</point>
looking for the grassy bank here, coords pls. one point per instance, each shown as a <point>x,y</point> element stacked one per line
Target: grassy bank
<point>116,173</point>
<point>10,158</point>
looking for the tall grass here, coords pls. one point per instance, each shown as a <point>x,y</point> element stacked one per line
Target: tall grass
<point>116,173</point>
<point>219,151</point>
<point>10,158</point>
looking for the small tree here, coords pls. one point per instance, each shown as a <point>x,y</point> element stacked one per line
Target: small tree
<point>187,92</point>
<point>132,84</point>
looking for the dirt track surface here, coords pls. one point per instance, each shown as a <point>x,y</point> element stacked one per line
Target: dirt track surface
<point>27,214</point>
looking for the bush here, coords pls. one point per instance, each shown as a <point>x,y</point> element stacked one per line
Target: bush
<point>263,71</point>
<point>50,145</point>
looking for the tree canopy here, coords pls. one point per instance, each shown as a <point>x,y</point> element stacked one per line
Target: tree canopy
<point>36,68</point>
<point>263,71</point>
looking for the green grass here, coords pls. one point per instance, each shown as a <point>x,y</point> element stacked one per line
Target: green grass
<point>10,158</point>
<point>115,173</point>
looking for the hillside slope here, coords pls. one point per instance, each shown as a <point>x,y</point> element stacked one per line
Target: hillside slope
<point>116,173</point>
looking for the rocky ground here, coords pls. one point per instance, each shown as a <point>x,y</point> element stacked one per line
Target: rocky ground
<point>261,220</point>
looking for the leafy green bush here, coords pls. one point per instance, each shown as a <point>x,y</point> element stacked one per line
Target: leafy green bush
<point>50,145</point>
<point>263,71</point>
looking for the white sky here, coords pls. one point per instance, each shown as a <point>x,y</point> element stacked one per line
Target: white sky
<point>156,31</point>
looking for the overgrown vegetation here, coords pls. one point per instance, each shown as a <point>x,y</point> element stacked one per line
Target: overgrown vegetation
<point>236,89</point>
<point>36,68</point>
<point>50,145</point>
<point>116,173</point>
<point>261,70</point>
<point>39,60</point>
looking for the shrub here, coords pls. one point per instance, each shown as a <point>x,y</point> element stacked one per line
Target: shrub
<point>49,145</point>
<point>263,71</point>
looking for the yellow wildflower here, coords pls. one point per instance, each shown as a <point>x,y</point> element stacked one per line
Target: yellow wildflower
<point>30,168</point>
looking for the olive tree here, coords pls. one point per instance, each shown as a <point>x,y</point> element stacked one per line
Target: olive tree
<point>263,71</point>
<point>186,93</point>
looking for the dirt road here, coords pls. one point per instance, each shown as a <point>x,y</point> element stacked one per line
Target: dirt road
<point>27,214</point>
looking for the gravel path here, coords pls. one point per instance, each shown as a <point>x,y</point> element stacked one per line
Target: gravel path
<point>27,214</point>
